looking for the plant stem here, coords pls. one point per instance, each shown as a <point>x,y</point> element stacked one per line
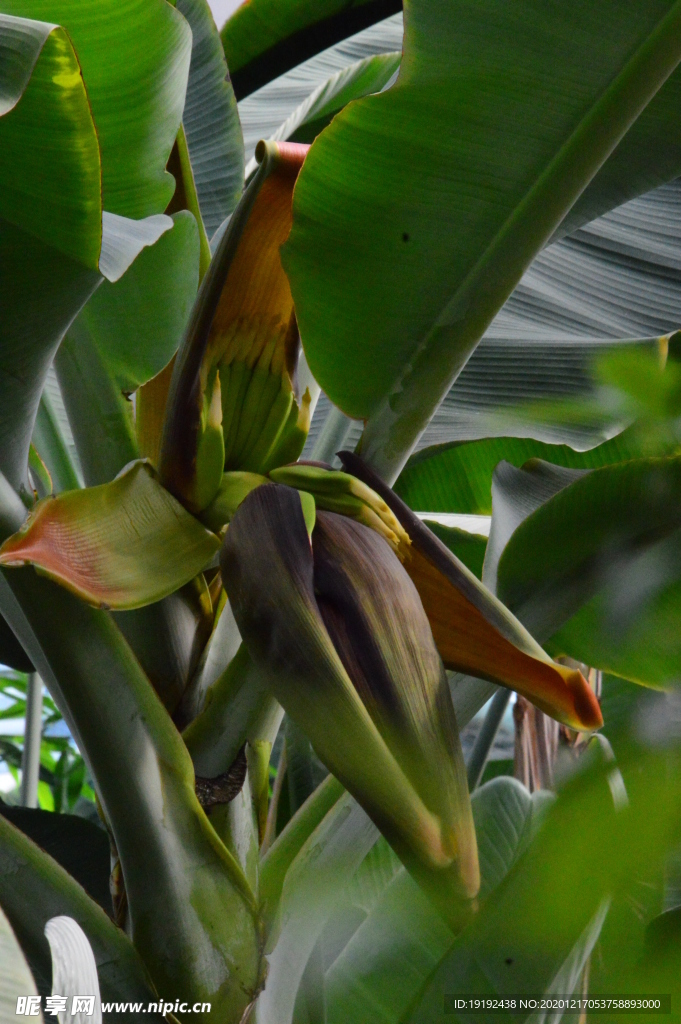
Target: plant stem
<point>485,738</point>
<point>335,429</point>
<point>30,758</point>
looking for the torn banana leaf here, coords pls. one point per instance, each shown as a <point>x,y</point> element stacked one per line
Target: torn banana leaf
<point>339,629</point>
<point>473,630</point>
<point>232,402</point>
<point>120,545</point>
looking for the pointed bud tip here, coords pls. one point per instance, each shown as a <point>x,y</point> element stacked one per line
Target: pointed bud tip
<point>587,708</point>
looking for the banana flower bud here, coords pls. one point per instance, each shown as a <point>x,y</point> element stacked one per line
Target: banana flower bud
<point>233,402</point>
<point>338,627</point>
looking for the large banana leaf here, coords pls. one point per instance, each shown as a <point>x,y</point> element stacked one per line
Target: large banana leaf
<point>137,323</point>
<point>387,961</point>
<point>124,336</point>
<point>136,98</point>
<point>596,566</point>
<point>545,917</point>
<point>69,182</point>
<point>51,443</point>
<point>211,120</point>
<point>265,39</point>
<point>121,545</point>
<point>583,296</point>
<point>312,890</point>
<point>458,477</point>
<point>40,67</point>
<point>483,239</point>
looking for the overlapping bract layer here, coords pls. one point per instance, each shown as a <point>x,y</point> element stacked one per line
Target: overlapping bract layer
<point>474,631</point>
<point>232,402</point>
<point>340,631</point>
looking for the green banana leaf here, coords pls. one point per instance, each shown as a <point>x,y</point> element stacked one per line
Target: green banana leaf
<point>149,80</point>
<point>457,477</point>
<point>262,40</point>
<point>313,887</point>
<point>582,295</point>
<point>387,961</point>
<point>491,238</point>
<point>646,158</point>
<point>543,920</point>
<point>100,415</point>
<point>469,548</point>
<point>50,442</point>
<point>211,120</point>
<point>120,545</point>
<point>15,975</point>
<point>35,889</point>
<point>41,68</point>
<point>122,338</point>
<point>615,279</point>
<point>138,322</point>
<point>263,112</point>
<point>278,858</point>
<point>366,76</point>
<point>593,562</point>
<point>64,162</point>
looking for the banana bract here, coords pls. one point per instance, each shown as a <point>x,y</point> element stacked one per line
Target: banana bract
<point>474,631</point>
<point>339,629</point>
<point>121,545</point>
<point>232,403</point>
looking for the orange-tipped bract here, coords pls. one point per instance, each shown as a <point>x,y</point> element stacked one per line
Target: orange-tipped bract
<point>474,631</point>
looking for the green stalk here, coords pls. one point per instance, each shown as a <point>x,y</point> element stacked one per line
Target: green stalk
<point>287,846</point>
<point>233,705</point>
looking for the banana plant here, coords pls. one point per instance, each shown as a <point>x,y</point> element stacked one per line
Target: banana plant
<point>180,569</point>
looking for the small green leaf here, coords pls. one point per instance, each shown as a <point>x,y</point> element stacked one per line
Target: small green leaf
<point>123,545</point>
